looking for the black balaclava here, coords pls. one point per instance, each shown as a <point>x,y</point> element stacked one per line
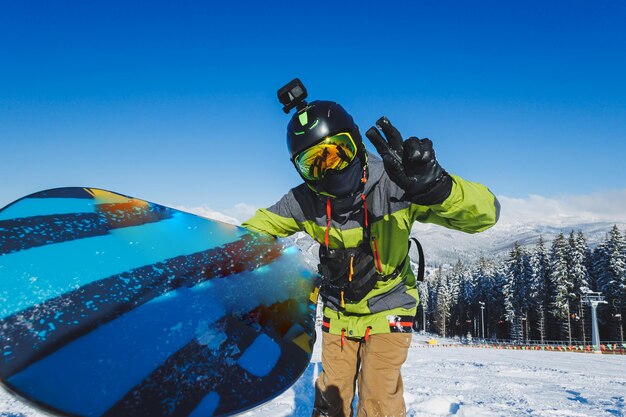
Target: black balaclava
<point>342,183</point>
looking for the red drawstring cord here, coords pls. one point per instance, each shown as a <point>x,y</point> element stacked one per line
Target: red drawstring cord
<point>367,333</point>
<point>328,218</point>
<point>343,338</point>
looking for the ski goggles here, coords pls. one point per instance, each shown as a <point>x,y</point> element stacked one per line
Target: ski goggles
<point>335,152</point>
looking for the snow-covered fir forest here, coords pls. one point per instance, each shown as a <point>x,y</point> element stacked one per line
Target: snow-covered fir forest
<point>532,294</point>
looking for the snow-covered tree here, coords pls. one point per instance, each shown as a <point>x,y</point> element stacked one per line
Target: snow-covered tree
<point>610,270</point>
<point>455,278</point>
<point>489,279</point>
<point>466,305</point>
<point>517,291</point>
<point>443,300</point>
<point>532,294</point>
<point>539,288</point>
<point>579,276</point>
<point>561,284</point>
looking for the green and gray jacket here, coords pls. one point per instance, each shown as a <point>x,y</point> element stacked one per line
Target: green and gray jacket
<point>392,304</point>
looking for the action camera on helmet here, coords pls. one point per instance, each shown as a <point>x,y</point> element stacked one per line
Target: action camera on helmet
<point>292,95</point>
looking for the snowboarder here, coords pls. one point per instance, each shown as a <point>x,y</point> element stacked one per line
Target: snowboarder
<point>360,210</point>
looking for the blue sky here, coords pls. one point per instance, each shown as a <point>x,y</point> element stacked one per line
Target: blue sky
<point>175,102</point>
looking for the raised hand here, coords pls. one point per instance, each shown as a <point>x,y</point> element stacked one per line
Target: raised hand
<point>411,164</point>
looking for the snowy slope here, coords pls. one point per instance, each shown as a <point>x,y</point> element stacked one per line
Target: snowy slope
<point>481,382</point>
<point>477,382</point>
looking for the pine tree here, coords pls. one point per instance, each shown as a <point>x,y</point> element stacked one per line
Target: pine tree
<point>431,310</point>
<point>498,312</point>
<point>517,291</point>
<point>467,294</point>
<point>483,277</point>
<point>561,285</point>
<point>539,289</point>
<point>489,278</point>
<point>455,277</point>
<point>598,266</point>
<point>443,303</point>
<point>579,276</point>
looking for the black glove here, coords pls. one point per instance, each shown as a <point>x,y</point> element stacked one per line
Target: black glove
<point>411,164</point>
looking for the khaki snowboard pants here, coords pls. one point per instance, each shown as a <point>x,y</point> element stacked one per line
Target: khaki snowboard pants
<point>372,365</point>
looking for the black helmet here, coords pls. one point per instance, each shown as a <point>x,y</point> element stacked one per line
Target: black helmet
<point>318,120</point>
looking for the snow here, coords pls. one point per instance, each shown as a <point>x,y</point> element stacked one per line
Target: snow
<point>463,381</point>
<point>455,380</point>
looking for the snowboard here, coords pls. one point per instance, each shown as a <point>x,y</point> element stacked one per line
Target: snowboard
<point>115,306</point>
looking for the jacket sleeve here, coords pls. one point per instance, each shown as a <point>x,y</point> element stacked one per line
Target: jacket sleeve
<point>470,208</point>
<point>277,220</point>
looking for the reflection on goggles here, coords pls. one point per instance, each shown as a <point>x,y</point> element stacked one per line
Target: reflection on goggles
<point>335,152</point>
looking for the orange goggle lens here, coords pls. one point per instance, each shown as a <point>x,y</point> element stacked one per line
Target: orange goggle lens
<point>335,152</point>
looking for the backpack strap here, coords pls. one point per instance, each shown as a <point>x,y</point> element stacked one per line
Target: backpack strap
<point>421,266</point>
<point>420,271</point>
